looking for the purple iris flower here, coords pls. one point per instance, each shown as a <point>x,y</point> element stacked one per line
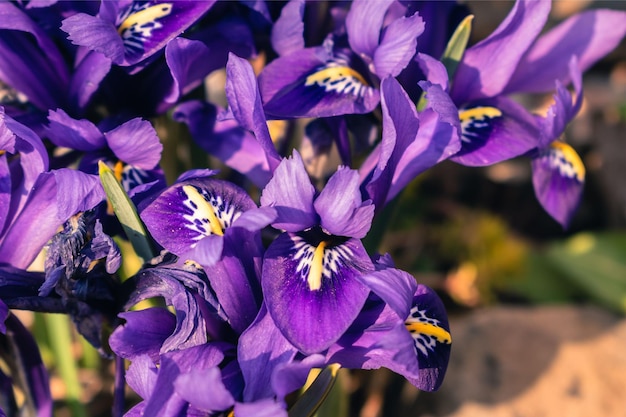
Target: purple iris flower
<point>216,224</point>
<point>406,332</point>
<point>558,171</point>
<point>411,142</point>
<point>129,32</point>
<point>513,59</point>
<point>311,272</point>
<point>133,148</point>
<point>340,76</point>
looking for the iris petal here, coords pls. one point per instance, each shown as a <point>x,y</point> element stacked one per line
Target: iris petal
<point>314,299</point>
<point>558,179</point>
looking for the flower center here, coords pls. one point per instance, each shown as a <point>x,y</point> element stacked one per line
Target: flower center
<point>204,207</point>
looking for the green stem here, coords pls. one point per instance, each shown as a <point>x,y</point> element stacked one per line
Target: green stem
<point>60,336</point>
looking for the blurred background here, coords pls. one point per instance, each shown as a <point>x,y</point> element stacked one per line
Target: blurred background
<point>536,312</point>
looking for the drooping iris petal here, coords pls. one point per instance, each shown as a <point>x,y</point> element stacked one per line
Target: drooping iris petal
<point>312,83</point>
<point>339,205</point>
<point>416,345</point>
<point>288,30</point>
<point>291,193</point>
<point>495,130</point>
<point>397,45</point>
<point>189,212</point>
<point>138,31</point>
<point>426,360</point>
<point>310,286</point>
<point>588,35</point>
<point>558,179</point>
<point>393,286</point>
<point>487,67</point>
<point>144,333</point>
<point>262,348</point>
<point>210,395</point>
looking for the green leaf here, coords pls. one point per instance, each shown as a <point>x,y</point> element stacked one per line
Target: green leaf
<point>453,53</point>
<point>314,396</point>
<point>126,213</point>
<point>597,264</point>
<point>456,46</point>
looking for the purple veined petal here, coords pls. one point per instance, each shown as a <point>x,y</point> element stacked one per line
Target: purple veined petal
<point>267,407</point>
<point>397,45</point>
<point>558,180</point>
<point>433,69</point>
<point>144,333</point>
<point>588,35</point>
<point>210,395</point>
<point>494,131</point>
<point>144,29</point>
<point>311,83</point>
<point>400,127</point>
<point>188,212</point>
<point>57,195</point>
<point>422,357</point>
<point>291,193</point>
<point>18,179</point>
<point>136,143</point>
<point>394,286</point>
<point>311,289</point>
<point>47,87</point>
<point>564,109</point>
<point>234,278</point>
<point>197,174</point>
<point>487,67</point>
<point>288,30</point>
<point>245,102</point>
<point>340,207</point>
<point>96,34</point>
<point>7,137</point>
<point>411,143</point>
<point>256,219</point>
<point>364,23</point>
<point>87,78</point>
<point>81,135</point>
<point>164,400</point>
<point>262,348</point>
<point>188,294</point>
<point>141,376</point>
<point>226,140</point>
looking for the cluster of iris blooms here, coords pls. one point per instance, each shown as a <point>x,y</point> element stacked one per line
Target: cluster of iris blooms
<point>256,292</point>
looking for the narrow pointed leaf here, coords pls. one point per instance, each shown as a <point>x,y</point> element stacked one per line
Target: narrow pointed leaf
<point>456,46</point>
<point>126,213</point>
<point>314,396</point>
